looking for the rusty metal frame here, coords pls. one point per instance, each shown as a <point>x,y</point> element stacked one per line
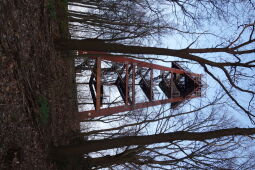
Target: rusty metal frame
<point>109,111</point>
<point>98,83</point>
<point>121,59</point>
<point>151,85</point>
<point>126,84</point>
<point>133,83</point>
<point>129,65</point>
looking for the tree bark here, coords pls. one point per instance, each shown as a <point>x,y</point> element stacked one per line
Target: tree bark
<point>97,145</point>
<point>102,46</point>
<point>108,161</point>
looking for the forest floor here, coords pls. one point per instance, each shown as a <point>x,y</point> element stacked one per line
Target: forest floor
<point>37,87</point>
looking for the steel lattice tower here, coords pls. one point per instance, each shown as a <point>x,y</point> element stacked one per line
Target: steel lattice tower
<point>177,84</point>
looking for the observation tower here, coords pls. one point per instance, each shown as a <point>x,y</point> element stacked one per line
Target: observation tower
<point>159,84</point>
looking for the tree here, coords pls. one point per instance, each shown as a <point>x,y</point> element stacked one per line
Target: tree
<point>115,20</point>
<point>92,146</point>
<point>134,152</point>
<point>138,20</point>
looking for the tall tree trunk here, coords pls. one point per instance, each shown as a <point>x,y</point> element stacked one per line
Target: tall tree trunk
<point>97,145</point>
<point>102,46</point>
<point>99,45</point>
